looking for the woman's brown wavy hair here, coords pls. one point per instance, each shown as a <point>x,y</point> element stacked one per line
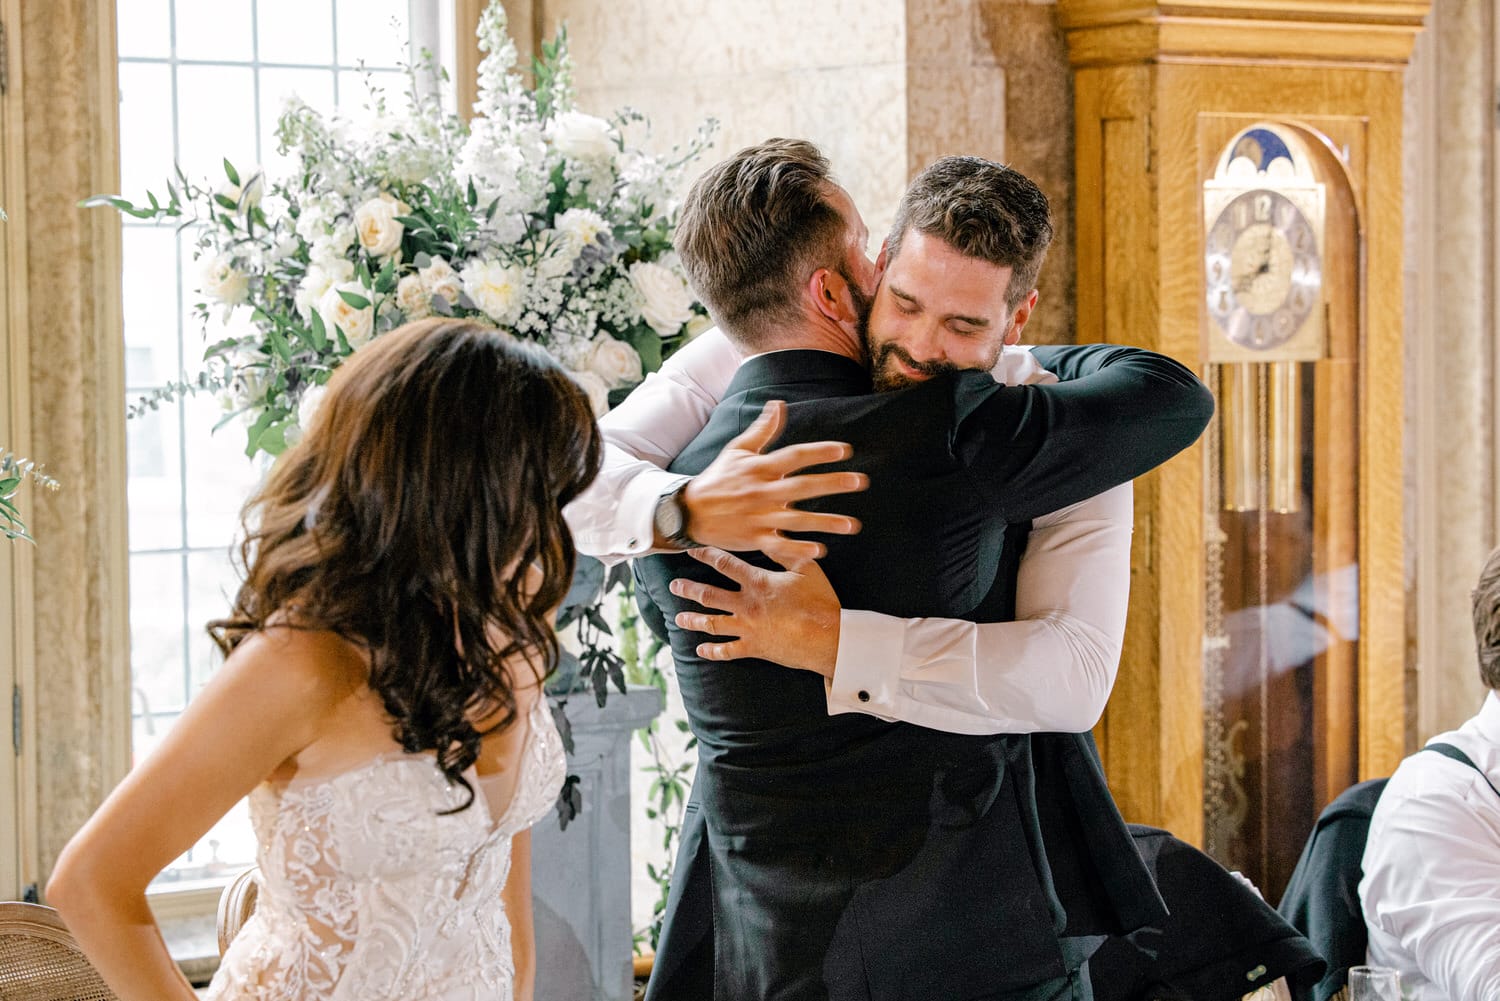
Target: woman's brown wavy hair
<point>437,464</point>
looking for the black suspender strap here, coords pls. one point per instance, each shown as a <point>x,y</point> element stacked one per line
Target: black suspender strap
<point>1449,751</point>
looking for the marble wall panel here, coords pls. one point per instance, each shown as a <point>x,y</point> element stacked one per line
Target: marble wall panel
<point>1451,353</point>
<point>1027,45</point>
<point>829,72</point>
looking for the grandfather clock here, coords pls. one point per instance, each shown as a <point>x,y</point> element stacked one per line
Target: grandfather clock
<point>1239,208</point>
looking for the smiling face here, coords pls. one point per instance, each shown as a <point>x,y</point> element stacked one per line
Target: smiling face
<point>938,310</point>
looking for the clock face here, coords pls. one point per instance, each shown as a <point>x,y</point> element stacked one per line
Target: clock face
<point>1262,270</point>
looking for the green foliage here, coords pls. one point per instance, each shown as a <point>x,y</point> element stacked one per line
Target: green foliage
<point>14,472</point>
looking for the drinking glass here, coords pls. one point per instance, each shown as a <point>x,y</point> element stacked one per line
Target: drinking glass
<point>1374,983</point>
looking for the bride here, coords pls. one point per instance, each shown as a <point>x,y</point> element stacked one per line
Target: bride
<point>381,697</point>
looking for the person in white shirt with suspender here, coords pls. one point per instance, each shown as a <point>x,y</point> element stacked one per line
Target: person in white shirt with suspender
<point>1431,886</point>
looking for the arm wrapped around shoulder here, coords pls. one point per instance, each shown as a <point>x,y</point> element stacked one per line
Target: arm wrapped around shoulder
<point>1117,413</point>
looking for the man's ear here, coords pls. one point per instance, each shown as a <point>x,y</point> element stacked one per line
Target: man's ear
<point>883,258</point>
<point>830,295</point>
<point>1019,318</point>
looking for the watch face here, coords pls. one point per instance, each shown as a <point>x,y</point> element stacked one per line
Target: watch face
<point>668,516</point>
<point>1262,270</point>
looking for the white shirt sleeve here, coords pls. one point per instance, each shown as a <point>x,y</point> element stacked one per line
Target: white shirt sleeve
<point>1052,669</point>
<point>611,520</point>
<point>1431,889</point>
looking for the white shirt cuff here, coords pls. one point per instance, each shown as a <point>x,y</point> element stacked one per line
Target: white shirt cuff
<point>631,531</point>
<point>868,642</point>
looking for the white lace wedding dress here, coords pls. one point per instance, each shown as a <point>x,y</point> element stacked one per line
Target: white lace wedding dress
<point>367,893</point>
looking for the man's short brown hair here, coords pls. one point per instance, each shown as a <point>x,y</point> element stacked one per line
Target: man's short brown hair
<point>1487,621</point>
<point>981,209</point>
<point>753,228</point>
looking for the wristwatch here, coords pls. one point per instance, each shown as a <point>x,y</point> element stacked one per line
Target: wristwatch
<point>670,519</point>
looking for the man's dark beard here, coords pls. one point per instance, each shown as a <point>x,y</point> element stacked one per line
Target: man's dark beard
<point>863,304</point>
<point>886,378</point>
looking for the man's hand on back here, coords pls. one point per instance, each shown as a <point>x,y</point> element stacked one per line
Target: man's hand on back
<point>743,500</point>
<point>788,617</point>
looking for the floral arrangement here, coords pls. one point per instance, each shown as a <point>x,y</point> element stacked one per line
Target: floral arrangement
<point>536,217</point>
<point>13,472</point>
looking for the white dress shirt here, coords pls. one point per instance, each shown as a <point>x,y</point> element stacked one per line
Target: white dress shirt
<point>1431,886</point>
<point>1052,669</point>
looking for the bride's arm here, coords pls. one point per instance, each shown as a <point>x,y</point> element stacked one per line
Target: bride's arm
<point>267,702</point>
<point>517,897</point>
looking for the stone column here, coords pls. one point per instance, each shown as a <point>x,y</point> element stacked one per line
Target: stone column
<point>63,286</point>
<point>1450,355</point>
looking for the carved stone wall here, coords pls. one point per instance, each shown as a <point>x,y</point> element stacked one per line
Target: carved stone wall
<point>884,87</point>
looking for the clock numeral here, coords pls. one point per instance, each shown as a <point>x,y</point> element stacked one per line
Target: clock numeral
<point>1262,208</point>
<point>1241,215</point>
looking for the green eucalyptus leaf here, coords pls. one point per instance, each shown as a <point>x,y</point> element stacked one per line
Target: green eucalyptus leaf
<point>231,173</point>
<point>354,299</point>
<point>279,345</point>
<point>386,280</point>
<point>318,331</point>
<point>256,430</point>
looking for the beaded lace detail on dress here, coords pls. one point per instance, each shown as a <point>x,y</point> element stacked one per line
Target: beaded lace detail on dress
<point>368,893</point>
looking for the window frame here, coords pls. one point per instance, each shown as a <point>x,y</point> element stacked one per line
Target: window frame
<point>182,908</point>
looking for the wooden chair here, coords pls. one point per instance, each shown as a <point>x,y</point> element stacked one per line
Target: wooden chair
<point>40,961</point>
<point>236,904</point>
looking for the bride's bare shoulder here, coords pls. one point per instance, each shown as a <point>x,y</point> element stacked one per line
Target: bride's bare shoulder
<point>313,664</point>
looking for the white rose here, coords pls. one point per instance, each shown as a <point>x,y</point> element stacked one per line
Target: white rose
<point>223,282</point>
<point>412,297</point>
<point>596,389</point>
<point>575,134</point>
<point>357,323</point>
<point>308,405</point>
<point>375,222</point>
<point>668,301</point>
<point>614,361</point>
<point>439,278</point>
<point>499,290</point>
<point>318,280</point>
